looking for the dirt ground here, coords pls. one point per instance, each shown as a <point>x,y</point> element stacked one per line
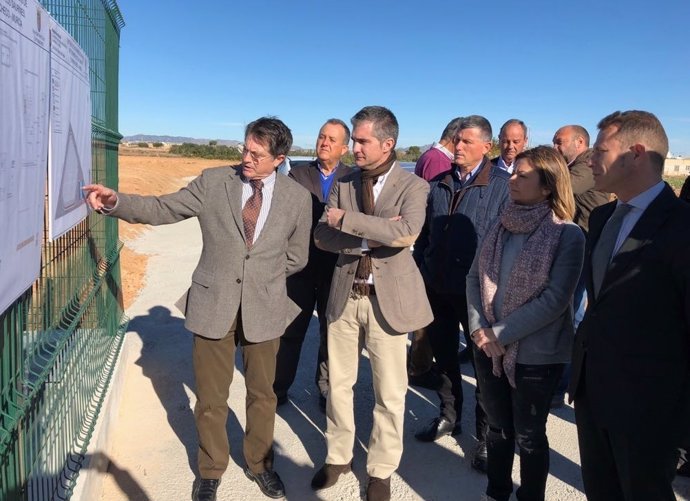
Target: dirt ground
<point>149,175</point>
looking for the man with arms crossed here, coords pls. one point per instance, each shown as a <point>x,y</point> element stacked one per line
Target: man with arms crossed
<point>310,287</point>
<point>377,296</point>
<point>255,226</point>
<point>631,361</point>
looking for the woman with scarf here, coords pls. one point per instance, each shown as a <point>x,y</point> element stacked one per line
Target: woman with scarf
<point>519,293</point>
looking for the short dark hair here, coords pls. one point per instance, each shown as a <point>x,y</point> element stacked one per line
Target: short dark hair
<point>513,121</point>
<point>451,129</point>
<point>478,122</point>
<point>337,121</point>
<point>639,126</point>
<point>272,133</point>
<point>385,125</point>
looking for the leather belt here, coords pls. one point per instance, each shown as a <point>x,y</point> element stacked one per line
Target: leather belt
<point>372,291</point>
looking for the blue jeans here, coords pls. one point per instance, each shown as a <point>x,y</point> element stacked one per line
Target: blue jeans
<point>517,415</point>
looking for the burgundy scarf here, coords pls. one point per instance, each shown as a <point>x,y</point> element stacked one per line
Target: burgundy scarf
<point>530,272</point>
<point>369,179</point>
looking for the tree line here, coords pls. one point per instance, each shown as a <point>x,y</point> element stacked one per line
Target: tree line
<point>211,150</point>
<point>215,151</point>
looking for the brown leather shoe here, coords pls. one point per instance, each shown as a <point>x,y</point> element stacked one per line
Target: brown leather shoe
<point>379,489</point>
<point>328,475</point>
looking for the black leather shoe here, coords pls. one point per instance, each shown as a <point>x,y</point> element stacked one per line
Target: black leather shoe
<point>205,489</point>
<point>479,461</point>
<point>437,428</point>
<point>268,481</point>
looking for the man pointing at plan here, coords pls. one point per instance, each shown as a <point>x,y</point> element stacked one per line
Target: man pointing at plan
<point>256,228</point>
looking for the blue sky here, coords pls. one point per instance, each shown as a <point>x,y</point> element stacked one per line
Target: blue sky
<point>205,69</point>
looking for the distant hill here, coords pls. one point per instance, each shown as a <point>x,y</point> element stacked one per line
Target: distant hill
<point>150,138</point>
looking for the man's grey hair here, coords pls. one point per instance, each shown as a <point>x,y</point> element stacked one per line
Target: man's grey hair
<point>337,121</point>
<point>478,122</point>
<point>513,121</point>
<point>451,129</point>
<point>385,125</point>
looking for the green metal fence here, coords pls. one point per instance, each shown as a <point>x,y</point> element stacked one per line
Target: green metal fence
<point>61,338</point>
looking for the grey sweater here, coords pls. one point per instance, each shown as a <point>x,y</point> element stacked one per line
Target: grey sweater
<point>544,325</point>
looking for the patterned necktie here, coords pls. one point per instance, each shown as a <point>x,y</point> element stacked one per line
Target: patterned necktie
<point>250,211</point>
<point>603,250</point>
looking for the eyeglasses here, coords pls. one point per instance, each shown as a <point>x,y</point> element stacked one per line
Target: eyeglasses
<point>256,157</point>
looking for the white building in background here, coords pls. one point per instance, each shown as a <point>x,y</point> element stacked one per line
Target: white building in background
<point>677,166</point>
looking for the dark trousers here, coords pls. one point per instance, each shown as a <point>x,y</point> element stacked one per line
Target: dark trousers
<point>421,358</point>
<point>517,415</point>
<point>307,293</point>
<point>624,466</point>
<point>214,364</point>
<point>579,308</point>
<point>450,310</point>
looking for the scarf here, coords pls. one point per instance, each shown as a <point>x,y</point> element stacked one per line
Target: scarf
<point>369,179</point>
<point>529,274</point>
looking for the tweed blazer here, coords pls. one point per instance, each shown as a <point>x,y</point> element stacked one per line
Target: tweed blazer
<point>399,285</point>
<point>228,276</point>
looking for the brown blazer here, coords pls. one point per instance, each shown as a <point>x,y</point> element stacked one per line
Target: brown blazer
<point>586,197</point>
<point>399,285</point>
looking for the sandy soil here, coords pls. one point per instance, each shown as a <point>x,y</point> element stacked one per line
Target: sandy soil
<point>146,174</point>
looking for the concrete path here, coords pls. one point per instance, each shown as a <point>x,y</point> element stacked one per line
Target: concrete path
<point>153,452</point>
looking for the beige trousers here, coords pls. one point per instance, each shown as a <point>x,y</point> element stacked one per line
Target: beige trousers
<point>362,324</point>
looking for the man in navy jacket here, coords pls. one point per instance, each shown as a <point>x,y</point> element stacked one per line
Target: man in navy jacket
<point>462,205</point>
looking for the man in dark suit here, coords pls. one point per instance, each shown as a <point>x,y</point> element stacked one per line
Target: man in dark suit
<point>684,463</point>
<point>463,204</point>
<point>631,361</point>
<point>310,287</point>
<point>255,227</point>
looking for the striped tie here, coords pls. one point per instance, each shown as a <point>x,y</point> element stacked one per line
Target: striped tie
<point>250,211</point>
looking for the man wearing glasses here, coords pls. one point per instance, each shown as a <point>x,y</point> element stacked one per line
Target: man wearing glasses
<point>256,228</point>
